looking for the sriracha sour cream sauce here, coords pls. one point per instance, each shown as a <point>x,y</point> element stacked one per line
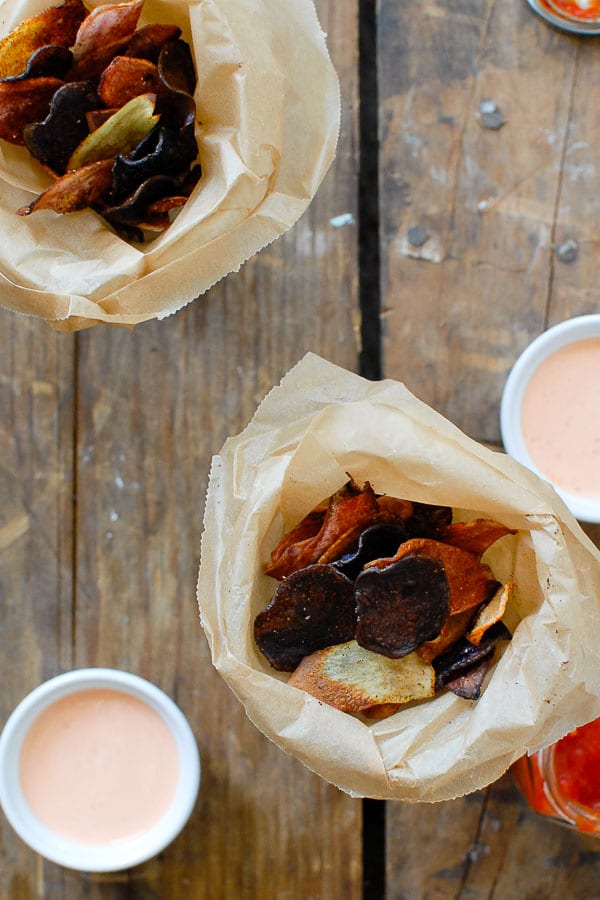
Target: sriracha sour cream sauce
<point>560,417</point>
<point>577,765</point>
<point>99,766</point>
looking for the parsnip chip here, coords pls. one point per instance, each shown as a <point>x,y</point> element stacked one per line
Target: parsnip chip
<point>471,582</point>
<point>476,536</point>
<point>311,609</point>
<point>22,102</point>
<point>491,613</point>
<point>74,191</point>
<point>119,134</point>
<point>399,607</point>
<point>353,679</point>
<point>57,25</point>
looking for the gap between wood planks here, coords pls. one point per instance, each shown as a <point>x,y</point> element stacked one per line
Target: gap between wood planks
<point>370,365</point>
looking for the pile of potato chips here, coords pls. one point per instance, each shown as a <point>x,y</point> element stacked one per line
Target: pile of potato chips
<point>107,109</point>
<point>383,601</point>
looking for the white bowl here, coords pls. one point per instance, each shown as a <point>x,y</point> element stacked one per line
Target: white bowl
<point>583,508</point>
<point>70,853</point>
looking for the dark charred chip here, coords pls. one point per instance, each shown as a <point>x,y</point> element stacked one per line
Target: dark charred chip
<point>75,190</point>
<point>53,141</point>
<point>133,209</point>
<point>399,607</point>
<point>476,536</point>
<point>164,152</point>
<point>468,685</point>
<point>106,31</point>
<point>50,60</point>
<point>23,102</point>
<point>377,541</point>
<point>125,78</point>
<point>428,520</point>
<point>57,25</point>
<point>148,41</point>
<point>176,67</point>
<point>311,609</point>
<point>463,655</point>
<point>471,581</point>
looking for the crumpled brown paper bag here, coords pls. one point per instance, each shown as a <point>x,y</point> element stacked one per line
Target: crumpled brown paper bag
<point>319,424</point>
<point>268,113</point>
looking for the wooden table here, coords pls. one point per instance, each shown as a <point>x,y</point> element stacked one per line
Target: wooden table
<point>432,255</point>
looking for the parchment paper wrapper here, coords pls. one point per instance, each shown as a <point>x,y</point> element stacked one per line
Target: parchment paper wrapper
<point>319,424</point>
<point>268,114</point>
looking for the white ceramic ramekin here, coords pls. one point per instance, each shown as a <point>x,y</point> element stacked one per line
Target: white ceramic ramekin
<point>69,853</point>
<point>579,328</point>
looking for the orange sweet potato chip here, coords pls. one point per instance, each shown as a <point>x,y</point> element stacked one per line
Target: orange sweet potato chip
<point>454,628</point>
<point>475,536</point>
<point>125,78</point>
<point>21,102</point>
<point>57,25</point>
<point>491,613</point>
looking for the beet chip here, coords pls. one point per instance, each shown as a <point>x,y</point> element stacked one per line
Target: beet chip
<point>53,141</point>
<point>74,191</point>
<point>57,25</point>
<point>311,609</point>
<point>468,685</point>
<point>22,102</point>
<point>379,540</point>
<point>399,607</point>
<point>471,582</point>
<point>463,655</point>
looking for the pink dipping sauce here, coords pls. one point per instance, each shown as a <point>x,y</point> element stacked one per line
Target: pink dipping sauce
<point>560,417</point>
<point>99,766</point>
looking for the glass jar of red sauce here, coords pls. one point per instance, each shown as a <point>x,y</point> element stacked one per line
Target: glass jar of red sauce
<point>563,781</point>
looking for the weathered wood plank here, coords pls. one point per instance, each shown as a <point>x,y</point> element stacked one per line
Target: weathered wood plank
<point>494,204</point>
<point>153,406</point>
<point>461,306</point>
<point>36,436</point>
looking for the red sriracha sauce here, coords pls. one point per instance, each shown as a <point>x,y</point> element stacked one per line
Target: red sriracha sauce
<point>585,10</point>
<point>577,765</point>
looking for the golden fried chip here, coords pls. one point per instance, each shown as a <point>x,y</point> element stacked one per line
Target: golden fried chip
<point>75,190</point>
<point>475,536</point>
<point>57,25</point>
<point>119,134</point>
<point>491,613</point>
<point>23,102</point>
<point>353,679</point>
<point>125,78</point>
<point>471,582</point>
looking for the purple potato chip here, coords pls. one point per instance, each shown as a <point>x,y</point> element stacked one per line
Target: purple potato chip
<point>401,606</point>
<point>463,655</point>
<point>311,609</point>
<point>376,542</point>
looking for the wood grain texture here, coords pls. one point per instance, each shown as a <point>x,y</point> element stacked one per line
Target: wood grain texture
<point>145,410</point>
<point>495,204</point>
